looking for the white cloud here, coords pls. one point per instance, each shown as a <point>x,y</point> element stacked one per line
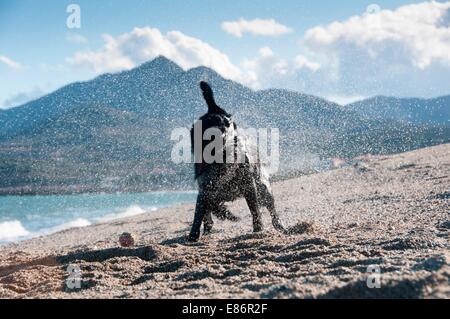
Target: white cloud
<point>418,34</point>
<point>268,69</point>
<point>401,52</point>
<point>76,38</point>
<point>10,63</point>
<point>142,44</point>
<point>300,62</point>
<point>263,68</point>
<point>109,59</point>
<point>266,52</point>
<point>260,27</point>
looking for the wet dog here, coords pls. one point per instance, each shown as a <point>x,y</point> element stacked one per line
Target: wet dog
<point>223,180</point>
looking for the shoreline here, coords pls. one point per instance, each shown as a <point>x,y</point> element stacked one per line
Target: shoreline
<point>389,211</point>
<point>20,230</point>
<point>4,193</point>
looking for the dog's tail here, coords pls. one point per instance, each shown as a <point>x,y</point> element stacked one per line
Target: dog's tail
<point>209,98</point>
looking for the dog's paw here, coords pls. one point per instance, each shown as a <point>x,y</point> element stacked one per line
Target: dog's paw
<point>193,238</point>
<point>258,228</point>
<point>207,231</point>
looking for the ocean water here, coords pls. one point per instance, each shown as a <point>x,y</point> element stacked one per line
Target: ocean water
<point>24,217</point>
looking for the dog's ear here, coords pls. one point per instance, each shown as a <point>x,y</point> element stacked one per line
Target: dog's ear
<point>209,98</point>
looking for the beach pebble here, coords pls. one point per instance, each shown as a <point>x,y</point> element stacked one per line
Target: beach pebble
<point>126,240</point>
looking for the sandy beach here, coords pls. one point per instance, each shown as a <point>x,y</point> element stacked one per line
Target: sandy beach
<point>388,213</point>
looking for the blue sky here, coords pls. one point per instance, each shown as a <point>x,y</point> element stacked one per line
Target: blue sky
<point>342,62</point>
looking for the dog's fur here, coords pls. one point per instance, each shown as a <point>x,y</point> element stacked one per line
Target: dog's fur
<point>219,183</point>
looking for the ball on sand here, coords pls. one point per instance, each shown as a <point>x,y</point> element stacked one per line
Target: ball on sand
<point>126,240</point>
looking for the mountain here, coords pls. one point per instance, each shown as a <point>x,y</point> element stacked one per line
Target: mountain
<point>113,133</point>
<point>413,110</point>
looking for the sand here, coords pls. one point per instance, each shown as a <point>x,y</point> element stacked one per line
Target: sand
<point>389,214</point>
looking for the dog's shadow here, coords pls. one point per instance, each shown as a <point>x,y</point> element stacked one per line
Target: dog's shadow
<point>181,240</point>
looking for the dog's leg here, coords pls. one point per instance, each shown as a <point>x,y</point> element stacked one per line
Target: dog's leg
<point>200,211</point>
<point>224,214</point>
<point>251,197</point>
<point>208,223</point>
<point>274,214</point>
<point>269,202</point>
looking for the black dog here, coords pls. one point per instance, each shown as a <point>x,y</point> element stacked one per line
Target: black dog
<point>221,182</point>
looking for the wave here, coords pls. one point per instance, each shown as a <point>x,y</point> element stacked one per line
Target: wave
<point>77,223</point>
<point>129,212</point>
<point>12,230</point>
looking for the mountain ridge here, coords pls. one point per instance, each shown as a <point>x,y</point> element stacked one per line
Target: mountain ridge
<point>169,64</point>
<point>416,110</point>
<point>118,127</point>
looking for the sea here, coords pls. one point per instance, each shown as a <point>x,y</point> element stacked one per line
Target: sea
<point>25,217</point>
